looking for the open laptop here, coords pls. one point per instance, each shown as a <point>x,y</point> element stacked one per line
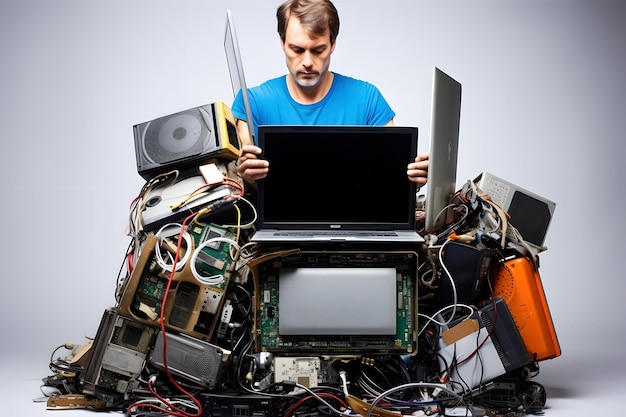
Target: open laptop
<point>444,144</point>
<point>235,68</point>
<point>337,183</point>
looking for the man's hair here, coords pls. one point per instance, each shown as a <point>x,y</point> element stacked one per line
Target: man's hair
<point>316,16</point>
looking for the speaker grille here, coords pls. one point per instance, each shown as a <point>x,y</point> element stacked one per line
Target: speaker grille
<point>178,136</point>
<point>504,283</point>
<point>185,140</point>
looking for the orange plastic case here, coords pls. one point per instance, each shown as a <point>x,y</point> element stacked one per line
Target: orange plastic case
<point>518,282</point>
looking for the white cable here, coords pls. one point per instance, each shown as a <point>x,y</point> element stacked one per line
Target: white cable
<point>432,318</point>
<point>215,279</point>
<point>450,227</point>
<point>320,399</point>
<point>163,405</point>
<point>159,256</point>
<point>452,283</point>
<point>439,387</point>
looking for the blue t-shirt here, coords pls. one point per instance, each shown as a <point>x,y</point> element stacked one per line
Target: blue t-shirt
<point>348,102</point>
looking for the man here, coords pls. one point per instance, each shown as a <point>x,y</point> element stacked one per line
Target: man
<point>309,93</point>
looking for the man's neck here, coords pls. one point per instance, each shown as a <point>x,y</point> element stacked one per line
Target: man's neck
<point>310,95</point>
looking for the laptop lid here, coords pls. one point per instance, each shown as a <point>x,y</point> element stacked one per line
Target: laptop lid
<point>235,68</point>
<point>444,143</point>
<point>337,178</point>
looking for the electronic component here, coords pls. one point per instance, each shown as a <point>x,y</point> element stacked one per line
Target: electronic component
<point>185,139</point>
<point>161,202</point>
<point>235,404</point>
<point>320,312</point>
<point>75,401</point>
<point>468,266</point>
<point>372,289</point>
<point>477,350</point>
<point>518,282</point>
<point>445,120</point>
<point>196,293</point>
<point>117,357</point>
<point>530,213</point>
<point>512,392</point>
<point>190,358</point>
<point>303,370</point>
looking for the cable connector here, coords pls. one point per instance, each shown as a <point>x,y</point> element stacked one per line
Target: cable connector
<point>344,381</point>
<point>213,205</point>
<point>287,385</point>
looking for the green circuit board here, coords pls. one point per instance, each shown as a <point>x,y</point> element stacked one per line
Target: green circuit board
<point>270,338</point>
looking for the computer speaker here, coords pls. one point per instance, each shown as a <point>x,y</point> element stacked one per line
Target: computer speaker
<point>185,140</point>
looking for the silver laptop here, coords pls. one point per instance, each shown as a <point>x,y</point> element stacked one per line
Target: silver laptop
<point>235,68</point>
<point>444,144</point>
<point>337,183</point>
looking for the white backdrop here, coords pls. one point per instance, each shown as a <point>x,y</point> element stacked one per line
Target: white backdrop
<point>543,107</point>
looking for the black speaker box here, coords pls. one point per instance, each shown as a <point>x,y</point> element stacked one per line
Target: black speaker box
<point>185,140</point>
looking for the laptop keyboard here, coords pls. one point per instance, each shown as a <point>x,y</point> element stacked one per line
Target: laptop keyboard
<point>368,233</point>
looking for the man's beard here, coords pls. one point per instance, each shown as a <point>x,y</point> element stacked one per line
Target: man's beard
<point>309,82</point>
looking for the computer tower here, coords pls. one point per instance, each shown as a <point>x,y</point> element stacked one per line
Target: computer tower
<point>118,357</point>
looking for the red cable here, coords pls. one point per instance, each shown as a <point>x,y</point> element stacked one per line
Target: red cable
<point>176,412</point>
<point>299,403</point>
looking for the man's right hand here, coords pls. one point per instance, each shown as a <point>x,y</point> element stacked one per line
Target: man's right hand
<point>250,166</point>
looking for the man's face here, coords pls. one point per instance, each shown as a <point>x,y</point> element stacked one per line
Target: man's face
<point>308,57</point>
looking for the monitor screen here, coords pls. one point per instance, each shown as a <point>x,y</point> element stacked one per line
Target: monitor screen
<point>337,301</point>
<point>530,216</point>
<point>353,176</point>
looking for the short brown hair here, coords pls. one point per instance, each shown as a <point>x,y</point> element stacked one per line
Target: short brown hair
<point>316,16</point>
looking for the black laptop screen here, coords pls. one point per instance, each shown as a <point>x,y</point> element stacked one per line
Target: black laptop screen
<point>337,177</point>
